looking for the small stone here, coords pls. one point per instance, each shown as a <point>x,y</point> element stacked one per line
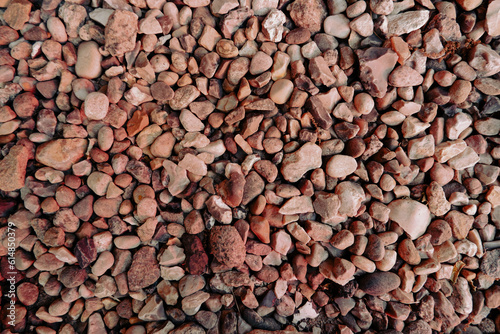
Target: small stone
<point>13,169</point>
<point>379,283</point>
<point>319,112</point>
<point>338,270</point>
<point>227,246</point>
<point>219,210</point>
<point>375,66</point>
<point>351,196</point>
<point>404,76</point>
<point>437,202</point>
<point>412,216</point>
<point>192,304</point>
<point>272,26</point>
<point>484,68</point>
<point>183,97</point>
<point>17,13</point>
<point>363,25</point>
<point>296,164</point>
<point>308,14</point>
<point>382,7</point>
<point>120,32</point>
<point>468,158</point>
<point>88,61</point>
<point>337,26</point>
<point>406,22</point>
<point>492,25</point>
<point>144,269</point>
<point>281,91</point>
<point>260,63</point>
<point>421,147</point>
<point>86,252</point>
<point>460,224</point>
<point>490,263</point>
<point>61,154</point>
<point>340,166</point>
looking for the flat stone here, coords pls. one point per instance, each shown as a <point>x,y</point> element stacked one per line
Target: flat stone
<point>61,154</point>
<point>13,169</point>
<point>406,22</point>
<point>297,205</point>
<point>227,246</point>
<point>340,166</point>
<point>17,13</point>
<point>412,216</point>
<point>379,283</point>
<point>375,66</point>
<point>120,32</point>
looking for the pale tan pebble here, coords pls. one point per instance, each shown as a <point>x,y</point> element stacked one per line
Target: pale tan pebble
<point>88,62</point>
<point>281,91</point>
<point>56,28</point>
<point>127,242</point>
<point>96,106</point>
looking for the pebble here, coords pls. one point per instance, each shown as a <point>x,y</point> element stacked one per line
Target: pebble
<point>296,164</point>
<point>227,246</point>
<point>281,91</point>
<point>120,32</point>
<point>61,154</point>
<point>337,26</point>
<point>412,216</point>
<point>88,63</point>
<point>379,283</point>
<point>308,14</point>
<point>13,169</point>
<point>340,166</point>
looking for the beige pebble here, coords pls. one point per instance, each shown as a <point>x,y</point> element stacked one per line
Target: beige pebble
<point>96,106</point>
<point>281,91</point>
<point>88,62</point>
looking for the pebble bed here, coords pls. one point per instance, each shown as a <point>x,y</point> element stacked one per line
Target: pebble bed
<point>249,166</point>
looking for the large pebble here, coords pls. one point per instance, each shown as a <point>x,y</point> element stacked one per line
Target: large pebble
<point>412,216</point>
<point>339,166</point>
<point>379,283</point>
<point>296,164</point>
<point>88,62</point>
<point>227,246</point>
<point>96,106</point>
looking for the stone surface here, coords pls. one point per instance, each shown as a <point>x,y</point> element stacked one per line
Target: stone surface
<point>296,164</point>
<point>308,14</point>
<point>412,216</point>
<point>227,246</point>
<point>120,32</point>
<point>61,154</point>
<point>13,169</point>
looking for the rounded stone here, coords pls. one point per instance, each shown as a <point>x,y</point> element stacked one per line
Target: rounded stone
<point>340,166</point>
<point>96,106</point>
<point>281,91</point>
<point>379,283</point>
<point>88,61</point>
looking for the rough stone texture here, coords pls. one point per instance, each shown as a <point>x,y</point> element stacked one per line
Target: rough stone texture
<point>121,32</point>
<point>227,246</point>
<point>13,169</point>
<point>144,269</point>
<point>308,14</point>
<point>296,164</point>
<point>375,66</point>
